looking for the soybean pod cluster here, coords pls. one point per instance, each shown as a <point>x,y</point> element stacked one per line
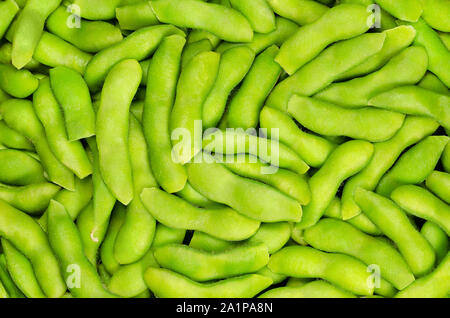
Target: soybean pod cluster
<point>224,148</point>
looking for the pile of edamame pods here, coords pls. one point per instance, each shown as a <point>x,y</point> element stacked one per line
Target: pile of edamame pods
<point>224,148</point>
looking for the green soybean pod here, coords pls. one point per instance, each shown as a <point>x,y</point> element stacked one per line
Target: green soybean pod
<point>341,270</point>
<point>5,58</point>
<point>193,49</point>
<point>198,35</point>
<point>205,242</point>
<point>21,271</point>
<point>32,199</point>
<point>17,83</point>
<point>135,16</point>
<point>414,100</point>
<point>314,289</point>
<point>10,288</point>
<point>273,235</point>
<point>396,40</point>
<point>137,232</point>
<point>160,96</point>
<point>223,223</point>
<point>18,168</point>
<point>138,45</point>
<point>311,39</point>
<point>88,36</point>
<point>381,19</point>
<point>407,10</point>
<point>437,238</point>
<point>8,10</point>
<point>433,83</point>
<point>445,158</point>
<point>3,292</point>
<point>167,284</point>
<point>70,153</point>
<point>288,182</point>
<point>244,108</point>
<point>234,65</point>
<point>435,13</point>
<point>234,141</point>
<point>12,139</point>
<point>261,41</point>
<point>96,9</point>
<point>414,165</point>
<point>445,38</point>
<point>301,12</point>
<point>167,235</point>
<point>313,149</point>
<point>394,223</point>
<point>434,285</point>
<point>112,128</point>
<point>204,266</point>
<point>29,29</point>
<point>19,115</point>
<point>128,280</point>
<point>194,84</point>
<point>344,162</point>
<point>366,123</point>
<point>423,204</point>
<point>27,236</point>
<point>385,154</point>
<point>81,275</point>
<point>258,13</point>
<point>107,247</point>
<point>227,23</point>
<point>439,183</point>
<point>323,70</point>
<point>251,198</point>
<point>189,194</point>
<point>336,236</point>
<point>72,93</point>
<point>406,68</point>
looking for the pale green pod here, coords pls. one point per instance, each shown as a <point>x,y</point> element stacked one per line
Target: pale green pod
<point>258,13</point>
<point>135,16</point>
<point>414,165</point>
<point>445,159</point>
<point>193,49</point>
<point>194,197</point>
<point>433,83</point>
<point>315,289</point>
<point>374,125</point>
<point>347,160</point>
<point>301,12</point>
<point>8,10</point>
<point>439,183</point>
<point>437,238</point>
<point>436,13</point>
<point>311,39</point>
<point>7,285</point>
<point>406,68</point>
<point>19,168</point>
<point>164,283</point>
<point>17,83</point>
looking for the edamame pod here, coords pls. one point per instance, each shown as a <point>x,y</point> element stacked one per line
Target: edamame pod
<point>27,236</point>
<point>414,165</point>
<point>205,242</point>
<point>193,49</point>
<point>160,96</point>
<point>394,223</point>
<point>434,285</point>
<point>19,115</point>
<point>288,182</point>
<point>224,223</point>
<point>20,169</point>
<point>135,16</point>
<point>305,262</point>
<point>347,160</point>
<point>423,204</point>
<point>167,235</point>
<point>323,70</point>
<point>81,276</point>
<point>227,23</point>
<point>88,36</point>
<point>435,13</point>
<point>433,83</point>
<point>21,271</point>
<point>112,128</point>
<point>445,159</point>
<point>72,93</point>
<point>8,10</point>
<point>107,247</point>
<point>165,283</point>
<point>244,108</point>
<point>407,10</point>
<point>70,153</point>
<point>437,238</point>
<point>195,198</point>
<point>194,84</point>
<point>10,288</point>
<point>406,68</point>
<point>234,65</point>
<point>137,231</point>
<point>258,13</point>
<point>12,139</point>
<point>17,83</point>
<point>439,183</point>
<point>363,123</point>
<point>311,39</point>
<point>204,266</point>
<point>336,236</point>
<point>301,12</point>
<point>251,198</point>
<point>272,235</point>
<point>198,35</point>
<point>271,151</point>
<point>33,198</point>
<point>315,289</point>
<point>414,100</point>
<point>385,154</point>
<point>96,9</point>
<point>29,29</point>
<point>138,45</point>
